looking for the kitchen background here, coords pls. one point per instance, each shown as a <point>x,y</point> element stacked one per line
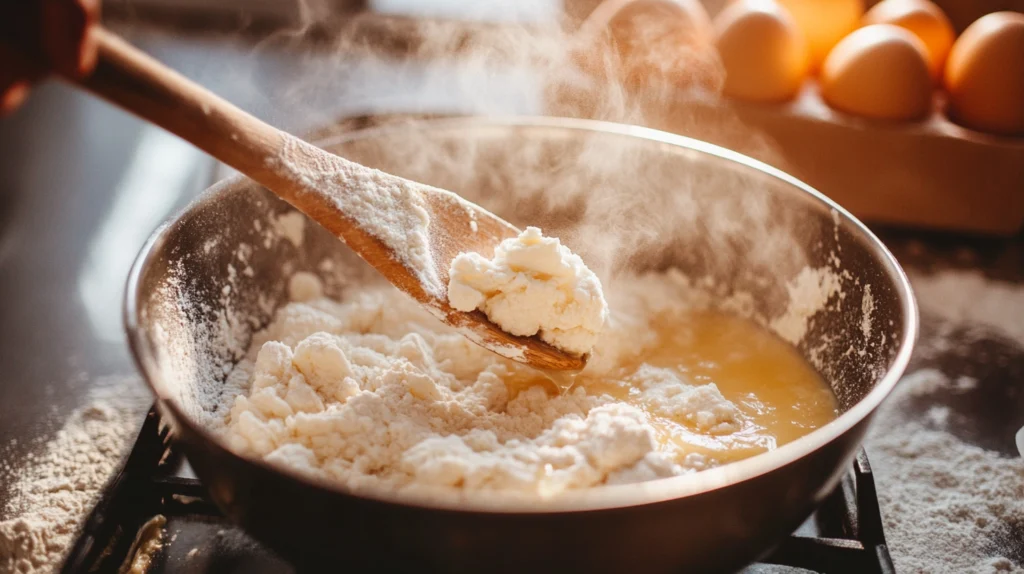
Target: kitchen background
<point>83,184</point>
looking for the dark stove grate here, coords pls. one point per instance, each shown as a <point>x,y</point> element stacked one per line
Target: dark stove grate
<point>844,536</point>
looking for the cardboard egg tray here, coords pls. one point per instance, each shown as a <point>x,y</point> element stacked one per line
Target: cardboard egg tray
<point>931,173</point>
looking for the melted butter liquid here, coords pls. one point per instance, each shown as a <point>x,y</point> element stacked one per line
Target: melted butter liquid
<point>780,395</point>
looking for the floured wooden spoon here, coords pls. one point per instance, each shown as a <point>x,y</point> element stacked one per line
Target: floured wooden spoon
<point>408,231</point>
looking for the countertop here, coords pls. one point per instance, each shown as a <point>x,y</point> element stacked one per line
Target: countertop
<point>82,185</point>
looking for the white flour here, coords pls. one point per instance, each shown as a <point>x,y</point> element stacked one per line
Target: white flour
<point>943,500</point>
<point>290,225</point>
<point>375,392</point>
<point>390,208</point>
<point>533,285</point>
<point>969,299</point>
<point>54,493</point>
<point>947,504</point>
<point>808,293</point>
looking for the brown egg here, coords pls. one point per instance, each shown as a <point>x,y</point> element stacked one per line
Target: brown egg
<point>878,72</point>
<point>824,23</point>
<point>631,20</point>
<point>923,19</point>
<point>764,53</point>
<point>985,75</point>
<point>656,41</point>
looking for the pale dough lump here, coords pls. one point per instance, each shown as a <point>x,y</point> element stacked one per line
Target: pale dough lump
<point>533,285</point>
<point>375,392</point>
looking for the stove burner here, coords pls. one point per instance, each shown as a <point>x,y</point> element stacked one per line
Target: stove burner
<point>844,536</point>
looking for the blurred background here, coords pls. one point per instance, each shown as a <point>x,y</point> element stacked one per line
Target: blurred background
<point>902,137</point>
<point>82,184</point>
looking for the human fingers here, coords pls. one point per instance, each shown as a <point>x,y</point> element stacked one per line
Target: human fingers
<point>16,75</point>
<point>67,35</point>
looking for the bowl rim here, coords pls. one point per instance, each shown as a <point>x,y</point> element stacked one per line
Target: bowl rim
<point>602,497</point>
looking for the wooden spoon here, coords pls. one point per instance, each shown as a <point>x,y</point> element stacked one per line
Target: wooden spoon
<point>352,201</point>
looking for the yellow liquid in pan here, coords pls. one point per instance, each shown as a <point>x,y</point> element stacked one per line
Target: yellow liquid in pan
<point>781,396</point>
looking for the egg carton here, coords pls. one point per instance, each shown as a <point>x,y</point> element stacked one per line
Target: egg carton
<point>930,173</point>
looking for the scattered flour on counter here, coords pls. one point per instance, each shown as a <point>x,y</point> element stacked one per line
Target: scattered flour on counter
<point>533,285</point>
<point>375,392</point>
<point>390,208</point>
<point>56,491</point>
<point>949,505</point>
<point>943,500</point>
<point>969,298</point>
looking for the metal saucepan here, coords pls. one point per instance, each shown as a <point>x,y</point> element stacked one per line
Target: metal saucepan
<point>208,279</point>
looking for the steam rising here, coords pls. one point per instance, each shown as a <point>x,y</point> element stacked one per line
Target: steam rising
<point>644,62</point>
<point>624,204</point>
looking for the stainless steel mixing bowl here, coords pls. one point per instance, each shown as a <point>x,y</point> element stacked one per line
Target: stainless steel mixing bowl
<point>646,199</point>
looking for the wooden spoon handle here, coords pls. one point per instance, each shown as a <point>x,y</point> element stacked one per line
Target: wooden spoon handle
<point>129,78</point>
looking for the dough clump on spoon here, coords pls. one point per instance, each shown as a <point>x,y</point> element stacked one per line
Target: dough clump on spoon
<point>533,285</point>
